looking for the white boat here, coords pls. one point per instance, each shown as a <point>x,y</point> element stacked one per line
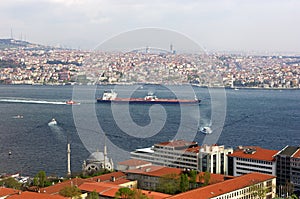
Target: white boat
<point>18,116</point>
<point>52,122</point>
<point>205,130</point>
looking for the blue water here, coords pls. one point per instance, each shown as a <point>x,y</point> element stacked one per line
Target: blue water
<point>266,118</point>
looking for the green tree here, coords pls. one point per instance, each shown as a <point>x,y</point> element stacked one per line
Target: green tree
<point>184,182</point>
<point>70,191</point>
<point>124,193</point>
<point>169,184</point>
<point>40,179</point>
<point>206,178</point>
<point>10,183</point>
<point>193,178</point>
<point>93,195</point>
<point>258,191</point>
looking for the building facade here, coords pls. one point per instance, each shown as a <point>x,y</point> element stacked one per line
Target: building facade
<point>252,159</point>
<point>288,170</point>
<point>186,155</point>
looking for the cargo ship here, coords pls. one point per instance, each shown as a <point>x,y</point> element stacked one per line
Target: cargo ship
<point>112,96</point>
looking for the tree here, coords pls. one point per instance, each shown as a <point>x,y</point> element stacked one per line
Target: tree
<point>70,191</point>
<point>10,183</point>
<point>169,184</point>
<point>184,182</point>
<point>40,179</point>
<point>206,178</point>
<point>193,178</point>
<point>258,191</point>
<point>93,195</point>
<point>124,193</point>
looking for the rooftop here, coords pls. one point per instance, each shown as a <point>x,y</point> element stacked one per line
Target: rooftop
<point>34,195</point>
<point>289,151</point>
<point>254,152</point>
<point>134,162</point>
<point>177,143</point>
<point>7,191</point>
<point>156,171</point>
<point>224,187</point>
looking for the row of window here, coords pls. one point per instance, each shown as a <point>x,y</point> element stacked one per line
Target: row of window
<point>256,161</point>
<point>253,170</point>
<point>254,165</point>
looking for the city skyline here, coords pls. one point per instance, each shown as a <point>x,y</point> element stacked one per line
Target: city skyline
<point>231,25</point>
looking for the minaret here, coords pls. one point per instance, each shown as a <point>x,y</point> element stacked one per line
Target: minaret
<point>69,159</point>
<point>105,152</point>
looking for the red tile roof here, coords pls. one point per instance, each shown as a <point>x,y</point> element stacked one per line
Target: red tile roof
<point>157,171</point>
<point>297,154</point>
<point>214,178</point>
<point>54,189</point>
<point>33,195</point>
<point>107,177</point>
<point>108,190</point>
<point>134,162</point>
<point>260,154</point>
<point>7,191</point>
<point>224,187</point>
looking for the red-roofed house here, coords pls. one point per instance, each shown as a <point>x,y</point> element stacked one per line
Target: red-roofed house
<point>34,195</point>
<point>5,192</point>
<point>252,159</point>
<point>245,186</point>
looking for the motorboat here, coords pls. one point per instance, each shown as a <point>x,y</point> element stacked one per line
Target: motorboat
<point>71,102</point>
<point>52,122</point>
<point>205,130</point>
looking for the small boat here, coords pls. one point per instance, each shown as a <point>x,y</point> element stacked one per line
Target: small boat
<point>18,116</point>
<point>205,130</point>
<point>71,102</point>
<point>52,122</point>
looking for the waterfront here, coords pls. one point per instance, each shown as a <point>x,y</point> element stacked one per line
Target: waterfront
<point>267,118</point>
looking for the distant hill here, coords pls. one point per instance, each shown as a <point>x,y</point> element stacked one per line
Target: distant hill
<point>12,43</point>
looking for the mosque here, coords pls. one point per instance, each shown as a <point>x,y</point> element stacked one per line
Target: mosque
<point>96,162</point>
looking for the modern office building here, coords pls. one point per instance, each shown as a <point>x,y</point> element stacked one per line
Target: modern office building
<point>288,169</point>
<point>247,159</point>
<point>186,155</point>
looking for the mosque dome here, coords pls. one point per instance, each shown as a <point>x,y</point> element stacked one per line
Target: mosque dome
<point>96,157</point>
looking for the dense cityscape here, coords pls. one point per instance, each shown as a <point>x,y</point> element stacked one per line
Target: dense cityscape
<point>35,64</point>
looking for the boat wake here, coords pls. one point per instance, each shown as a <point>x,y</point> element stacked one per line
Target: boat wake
<point>31,101</point>
<point>59,132</point>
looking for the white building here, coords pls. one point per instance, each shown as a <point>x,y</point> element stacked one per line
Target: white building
<point>186,155</point>
<point>252,159</point>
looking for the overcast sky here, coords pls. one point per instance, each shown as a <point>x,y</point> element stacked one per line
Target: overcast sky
<point>248,25</point>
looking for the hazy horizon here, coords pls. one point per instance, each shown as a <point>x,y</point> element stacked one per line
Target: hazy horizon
<point>222,25</point>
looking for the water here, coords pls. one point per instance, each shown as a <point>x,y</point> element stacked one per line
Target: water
<point>266,118</point>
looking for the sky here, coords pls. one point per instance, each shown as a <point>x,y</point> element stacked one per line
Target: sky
<point>216,25</point>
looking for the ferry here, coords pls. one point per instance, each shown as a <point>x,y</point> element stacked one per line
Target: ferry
<point>111,96</point>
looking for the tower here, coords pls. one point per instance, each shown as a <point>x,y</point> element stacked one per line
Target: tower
<point>104,153</point>
<point>69,159</point>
